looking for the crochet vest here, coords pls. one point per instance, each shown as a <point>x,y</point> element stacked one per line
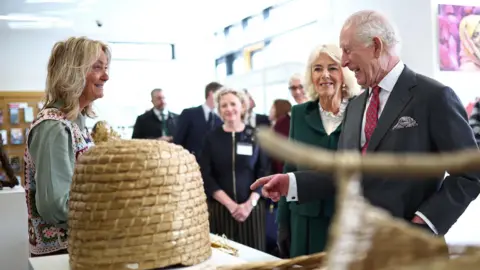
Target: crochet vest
<point>44,237</point>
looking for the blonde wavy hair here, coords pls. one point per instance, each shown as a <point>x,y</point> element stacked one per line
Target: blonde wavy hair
<point>242,96</point>
<point>350,89</point>
<point>68,66</point>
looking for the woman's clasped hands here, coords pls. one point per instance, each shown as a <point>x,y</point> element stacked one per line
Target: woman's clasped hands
<point>240,212</point>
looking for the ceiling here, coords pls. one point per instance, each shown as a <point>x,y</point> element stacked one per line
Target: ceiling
<point>126,19</point>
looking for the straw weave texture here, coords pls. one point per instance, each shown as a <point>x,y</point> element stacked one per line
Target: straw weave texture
<point>137,204</point>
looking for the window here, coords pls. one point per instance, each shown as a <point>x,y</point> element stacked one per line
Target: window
<point>221,70</point>
<point>142,51</point>
<point>254,30</point>
<point>239,65</point>
<point>294,46</point>
<point>257,60</point>
<point>235,37</point>
<point>219,46</point>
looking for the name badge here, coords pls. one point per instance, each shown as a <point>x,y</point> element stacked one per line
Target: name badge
<point>244,149</point>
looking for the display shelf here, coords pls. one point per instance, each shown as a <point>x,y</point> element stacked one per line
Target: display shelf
<point>23,99</point>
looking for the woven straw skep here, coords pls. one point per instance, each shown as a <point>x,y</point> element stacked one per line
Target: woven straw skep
<point>137,204</point>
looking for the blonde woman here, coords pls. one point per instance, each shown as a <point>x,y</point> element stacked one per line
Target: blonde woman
<point>303,228</point>
<point>230,162</point>
<point>77,72</point>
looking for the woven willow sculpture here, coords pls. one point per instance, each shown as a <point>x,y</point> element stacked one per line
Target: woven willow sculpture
<point>137,204</point>
<point>364,237</point>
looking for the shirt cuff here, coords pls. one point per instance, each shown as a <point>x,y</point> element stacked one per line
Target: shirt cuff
<point>427,221</point>
<point>292,195</point>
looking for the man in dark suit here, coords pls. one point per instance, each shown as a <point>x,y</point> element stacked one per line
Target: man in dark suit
<point>194,123</point>
<point>157,123</point>
<point>252,119</point>
<point>400,111</point>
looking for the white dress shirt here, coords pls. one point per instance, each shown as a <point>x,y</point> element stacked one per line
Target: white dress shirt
<point>386,86</point>
<point>207,110</point>
<point>331,121</point>
<point>159,113</point>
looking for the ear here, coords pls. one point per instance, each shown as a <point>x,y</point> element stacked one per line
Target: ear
<point>377,47</point>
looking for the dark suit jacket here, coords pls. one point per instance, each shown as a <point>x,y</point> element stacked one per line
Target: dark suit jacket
<point>442,126</point>
<point>148,126</point>
<point>192,128</point>
<point>262,120</point>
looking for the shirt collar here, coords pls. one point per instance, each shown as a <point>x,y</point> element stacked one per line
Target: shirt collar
<point>389,81</point>
<point>159,113</point>
<point>207,109</point>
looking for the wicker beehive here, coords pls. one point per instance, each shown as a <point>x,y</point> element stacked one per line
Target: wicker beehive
<point>137,204</point>
<point>364,237</point>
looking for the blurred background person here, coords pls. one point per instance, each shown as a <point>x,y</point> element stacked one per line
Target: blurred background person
<point>195,123</point>
<point>251,118</point>
<point>230,162</point>
<point>76,74</point>
<point>158,122</point>
<point>303,228</point>
<point>295,85</point>
<point>280,119</point>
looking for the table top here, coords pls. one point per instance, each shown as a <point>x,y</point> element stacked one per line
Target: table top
<point>245,254</point>
<point>60,262</point>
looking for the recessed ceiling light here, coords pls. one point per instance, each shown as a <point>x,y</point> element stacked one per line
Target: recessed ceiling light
<point>49,1</point>
<point>22,17</point>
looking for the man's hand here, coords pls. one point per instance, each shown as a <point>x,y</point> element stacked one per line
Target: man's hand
<point>274,186</point>
<point>166,138</point>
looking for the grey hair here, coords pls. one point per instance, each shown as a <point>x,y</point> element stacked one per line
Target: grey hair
<point>296,76</point>
<point>369,24</point>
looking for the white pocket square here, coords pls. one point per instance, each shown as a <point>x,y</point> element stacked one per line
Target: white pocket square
<point>405,122</point>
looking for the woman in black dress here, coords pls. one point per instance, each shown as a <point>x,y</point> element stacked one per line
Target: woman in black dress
<point>230,162</point>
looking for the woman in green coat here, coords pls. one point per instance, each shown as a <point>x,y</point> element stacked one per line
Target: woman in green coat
<point>303,228</point>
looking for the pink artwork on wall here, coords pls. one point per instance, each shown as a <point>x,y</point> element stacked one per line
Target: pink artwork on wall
<point>459,38</point>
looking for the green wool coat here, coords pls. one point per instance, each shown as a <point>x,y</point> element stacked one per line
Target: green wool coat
<point>308,222</point>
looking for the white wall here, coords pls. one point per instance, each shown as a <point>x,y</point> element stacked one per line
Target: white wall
<point>24,56</point>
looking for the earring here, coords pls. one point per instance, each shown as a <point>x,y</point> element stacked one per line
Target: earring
<point>344,87</point>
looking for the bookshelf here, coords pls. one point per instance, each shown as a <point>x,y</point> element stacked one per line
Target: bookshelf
<point>14,105</point>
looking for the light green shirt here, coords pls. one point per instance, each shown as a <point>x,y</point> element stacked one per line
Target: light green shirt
<point>52,152</point>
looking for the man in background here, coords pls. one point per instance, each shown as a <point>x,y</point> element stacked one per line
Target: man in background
<point>295,85</point>
<point>251,118</point>
<point>194,123</point>
<point>158,122</point>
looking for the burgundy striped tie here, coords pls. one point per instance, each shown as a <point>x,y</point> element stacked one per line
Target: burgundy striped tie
<point>371,118</point>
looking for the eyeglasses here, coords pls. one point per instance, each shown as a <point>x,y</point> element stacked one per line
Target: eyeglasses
<point>295,87</point>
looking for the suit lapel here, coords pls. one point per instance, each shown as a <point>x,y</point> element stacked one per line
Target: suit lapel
<point>398,99</point>
<point>154,116</point>
<point>312,117</point>
<point>352,128</point>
